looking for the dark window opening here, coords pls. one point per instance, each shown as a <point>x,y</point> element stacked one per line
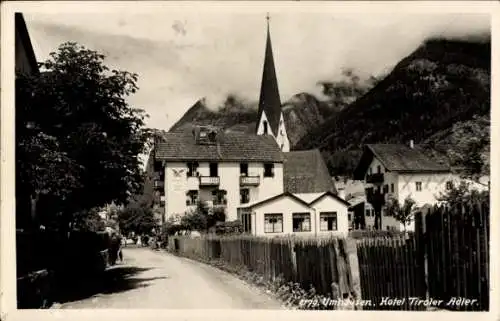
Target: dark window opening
<point>219,197</point>
<point>392,187</point>
<point>265,127</point>
<point>379,170</point>
<point>244,169</point>
<point>192,197</point>
<point>273,223</point>
<point>192,169</point>
<point>268,170</point>
<point>244,196</point>
<point>328,221</point>
<point>301,222</point>
<point>214,170</point>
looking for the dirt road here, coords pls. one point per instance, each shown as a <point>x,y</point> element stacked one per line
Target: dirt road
<point>150,279</point>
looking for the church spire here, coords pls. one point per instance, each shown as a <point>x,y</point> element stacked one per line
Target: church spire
<point>269,101</point>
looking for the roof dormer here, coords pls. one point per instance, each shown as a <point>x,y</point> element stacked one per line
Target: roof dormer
<point>205,135</point>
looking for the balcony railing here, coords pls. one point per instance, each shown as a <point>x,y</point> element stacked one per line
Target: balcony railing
<point>209,180</point>
<point>159,184</point>
<point>375,178</point>
<point>249,180</point>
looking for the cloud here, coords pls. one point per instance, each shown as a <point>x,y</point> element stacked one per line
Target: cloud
<point>183,57</point>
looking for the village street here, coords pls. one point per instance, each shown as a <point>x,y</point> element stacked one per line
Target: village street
<point>150,279</point>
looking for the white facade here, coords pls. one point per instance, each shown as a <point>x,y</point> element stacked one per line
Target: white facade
<point>326,216</point>
<point>178,184</point>
<point>281,136</point>
<point>423,188</point>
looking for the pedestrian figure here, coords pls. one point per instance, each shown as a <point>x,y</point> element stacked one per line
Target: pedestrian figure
<point>120,245</point>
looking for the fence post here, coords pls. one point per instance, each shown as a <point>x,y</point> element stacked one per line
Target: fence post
<point>420,240</point>
<point>353,270</point>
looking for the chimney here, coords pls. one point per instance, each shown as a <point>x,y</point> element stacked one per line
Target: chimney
<point>411,143</point>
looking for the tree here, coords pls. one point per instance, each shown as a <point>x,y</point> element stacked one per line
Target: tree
<point>471,146</point>
<point>77,139</point>
<point>463,193</point>
<point>203,217</point>
<point>404,214</point>
<point>137,217</point>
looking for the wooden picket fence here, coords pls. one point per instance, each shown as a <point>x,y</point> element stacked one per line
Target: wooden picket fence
<point>455,247</point>
<point>328,264</point>
<point>445,259</point>
<point>390,273</point>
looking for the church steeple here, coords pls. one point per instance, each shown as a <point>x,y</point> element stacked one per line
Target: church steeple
<point>270,117</point>
<point>269,101</point>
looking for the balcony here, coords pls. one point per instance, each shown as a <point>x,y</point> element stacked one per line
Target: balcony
<point>375,197</point>
<point>375,178</point>
<point>159,184</point>
<point>209,180</point>
<point>249,180</point>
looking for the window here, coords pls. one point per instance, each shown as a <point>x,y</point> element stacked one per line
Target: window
<point>246,222</point>
<point>449,185</point>
<point>328,221</point>
<point>244,196</point>
<point>418,186</point>
<point>386,189</point>
<point>273,223</point>
<point>301,222</point>
<point>392,187</point>
<point>192,197</point>
<point>212,136</point>
<point>244,169</point>
<point>367,213</point>
<point>265,127</point>
<point>388,227</point>
<point>214,170</point>
<point>269,170</point>
<point>219,197</point>
<point>157,166</point>
<point>192,169</point>
<point>349,217</point>
<point>379,170</point>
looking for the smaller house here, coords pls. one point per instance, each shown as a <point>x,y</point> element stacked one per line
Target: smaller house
<point>399,171</point>
<point>299,213</point>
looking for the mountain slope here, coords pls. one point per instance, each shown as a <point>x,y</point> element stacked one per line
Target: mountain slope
<point>441,83</point>
<point>302,112</point>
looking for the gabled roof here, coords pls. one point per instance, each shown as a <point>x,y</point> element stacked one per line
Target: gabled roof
<point>306,172</point>
<point>269,101</point>
<point>306,199</point>
<point>181,146</point>
<point>335,196</point>
<point>267,200</point>
<point>23,43</point>
<point>398,158</point>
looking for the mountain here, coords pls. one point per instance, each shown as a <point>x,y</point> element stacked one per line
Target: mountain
<point>442,83</point>
<point>302,112</point>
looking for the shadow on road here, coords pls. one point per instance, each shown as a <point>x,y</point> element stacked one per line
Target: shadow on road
<point>114,280</point>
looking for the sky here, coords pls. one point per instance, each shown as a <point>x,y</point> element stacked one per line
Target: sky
<point>183,56</point>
